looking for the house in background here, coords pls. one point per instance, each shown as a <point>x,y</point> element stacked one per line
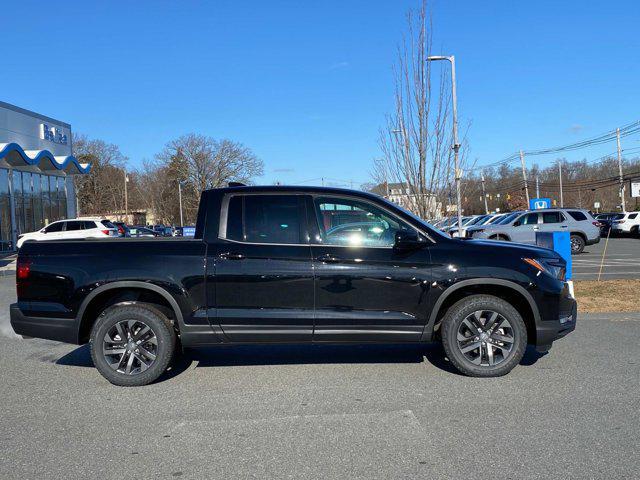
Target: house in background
<point>400,194</point>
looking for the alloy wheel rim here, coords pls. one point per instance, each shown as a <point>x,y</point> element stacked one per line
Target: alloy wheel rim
<point>485,338</point>
<point>130,347</point>
<point>574,244</point>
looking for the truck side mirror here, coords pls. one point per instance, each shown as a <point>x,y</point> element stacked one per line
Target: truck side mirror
<point>407,240</point>
<point>517,223</point>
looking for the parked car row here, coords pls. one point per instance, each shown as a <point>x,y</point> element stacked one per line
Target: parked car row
<point>99,227</point>
<point>627,223</point>
<point>522,226</point>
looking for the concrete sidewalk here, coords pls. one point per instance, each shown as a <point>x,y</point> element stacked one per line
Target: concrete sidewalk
<point>8,264</point>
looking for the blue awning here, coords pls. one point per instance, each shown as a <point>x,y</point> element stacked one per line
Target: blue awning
<point>44,160</point>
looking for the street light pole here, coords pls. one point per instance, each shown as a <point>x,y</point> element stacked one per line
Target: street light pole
<point>560,177</point>
<point>456,144</point>
<point>126,198</point>
<point>180,201</point>
<point>622,202</point>
<point>524,176</point>
<point>484,194</point>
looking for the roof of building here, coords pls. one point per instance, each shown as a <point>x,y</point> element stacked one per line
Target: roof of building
<point>44,160</point>
<point>33,114</point>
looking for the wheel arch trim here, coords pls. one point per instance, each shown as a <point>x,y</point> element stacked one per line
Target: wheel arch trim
<point>428,330</point>
<point>129,284</point>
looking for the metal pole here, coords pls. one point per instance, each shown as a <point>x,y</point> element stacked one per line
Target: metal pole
<point>126,197</point>
<point>180,201</point>
<point>579,198</point>
<point>622,202</point>
<point>524,176</point>
<point>456,144</point>
<point>560,176</point>
<point>484,194</point>
<point>537,186</point>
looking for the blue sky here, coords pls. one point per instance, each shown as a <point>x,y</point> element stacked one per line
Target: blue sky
<point>306,85</point>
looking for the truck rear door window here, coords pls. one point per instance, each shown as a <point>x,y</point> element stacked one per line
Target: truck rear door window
<point>264,219</point>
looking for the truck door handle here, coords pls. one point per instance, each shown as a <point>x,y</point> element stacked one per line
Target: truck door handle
<point>231,256</point>
<point>328,258</point>
<point>564,226</point>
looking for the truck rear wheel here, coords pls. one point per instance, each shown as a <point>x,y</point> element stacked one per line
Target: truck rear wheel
<point>484,336</point>
<point>132,344</point>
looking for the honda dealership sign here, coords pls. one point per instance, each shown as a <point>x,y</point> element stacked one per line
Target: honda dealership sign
<point>538,203</point>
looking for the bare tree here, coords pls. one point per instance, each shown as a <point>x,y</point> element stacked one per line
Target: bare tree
<point>198,163</point>
<point>416,139</point>
<point>103,189</point>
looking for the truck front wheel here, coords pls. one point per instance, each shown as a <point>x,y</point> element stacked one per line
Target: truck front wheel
<point>132,344</point>
<point>484,336</point>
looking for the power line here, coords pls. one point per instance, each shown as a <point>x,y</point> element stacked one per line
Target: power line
<point>626,130</point>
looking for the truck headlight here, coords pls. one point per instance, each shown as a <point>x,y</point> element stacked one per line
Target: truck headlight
<point>554,267</point>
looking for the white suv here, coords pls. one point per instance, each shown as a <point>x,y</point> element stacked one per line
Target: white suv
<point>72,229</point>
<point>626,223</point>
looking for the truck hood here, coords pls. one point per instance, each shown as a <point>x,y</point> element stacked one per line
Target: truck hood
<point>511,247</point>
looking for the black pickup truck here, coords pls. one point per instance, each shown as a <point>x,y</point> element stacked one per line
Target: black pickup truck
<point>292,265</point>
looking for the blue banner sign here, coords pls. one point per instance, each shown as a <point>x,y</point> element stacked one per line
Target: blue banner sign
<point>188,231</point>
<point>538,203</point>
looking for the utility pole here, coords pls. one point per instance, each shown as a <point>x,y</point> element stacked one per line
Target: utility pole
<point>126,198</point>
<point>624,207</point>
<point>456,144</point>
<point>180,202</point>
<point>560,175</point>
<point>524,176</point>
<point>484,194</point>
<point>579,198</point>
<point>537,186</point>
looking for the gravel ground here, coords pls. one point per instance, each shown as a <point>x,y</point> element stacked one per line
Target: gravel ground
<point>326,412</point>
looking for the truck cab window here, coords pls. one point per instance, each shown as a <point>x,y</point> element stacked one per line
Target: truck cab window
<point>354,223</point>
<point>264,219</point>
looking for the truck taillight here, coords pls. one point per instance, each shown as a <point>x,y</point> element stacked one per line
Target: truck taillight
<point>23,268</point>
<point>597,224</point>
<point>23,272</point>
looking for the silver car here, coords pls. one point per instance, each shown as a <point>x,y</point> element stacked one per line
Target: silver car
<point>522,228</point>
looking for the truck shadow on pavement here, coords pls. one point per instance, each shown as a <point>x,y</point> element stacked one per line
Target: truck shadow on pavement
<point>250,355</point>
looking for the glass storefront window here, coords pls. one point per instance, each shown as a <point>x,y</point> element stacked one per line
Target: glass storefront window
<point>53,200</point>
<point>27,195</point>
<point>17,201</point>
<point>38,199</point>
<point>38,221</point>
<point>5,212</point>
<point>62,197</point>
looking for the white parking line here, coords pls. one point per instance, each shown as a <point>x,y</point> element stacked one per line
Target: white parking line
<point>637,272</point>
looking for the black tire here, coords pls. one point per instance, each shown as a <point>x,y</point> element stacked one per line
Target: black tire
<point>577,244</point>
<point>452,323</point>
<point>161,344</point>
<point>635,231</point>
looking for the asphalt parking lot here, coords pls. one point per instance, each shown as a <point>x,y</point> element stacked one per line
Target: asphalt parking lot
<point>325,412</point>
<point>622,260</point>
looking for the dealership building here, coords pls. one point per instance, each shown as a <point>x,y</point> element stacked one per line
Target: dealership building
<point>36,172</point>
